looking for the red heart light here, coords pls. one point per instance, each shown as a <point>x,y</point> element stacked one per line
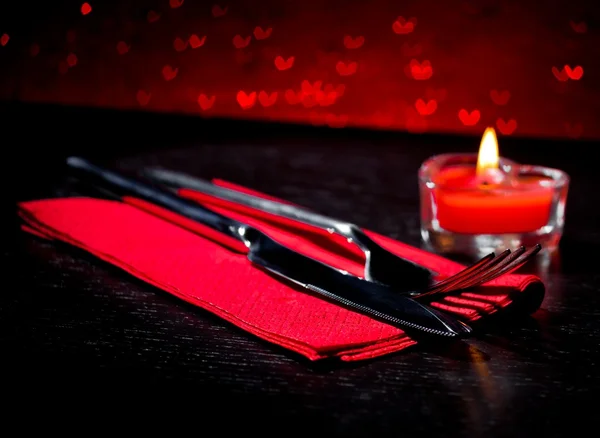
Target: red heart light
<point>179,45</point>
<point>143,97</point>
<point>310,89</point>
<point>246,101</point>
<point>402,26</point>
<point>218,11</point>
<point>239,42</point>
<point>196,42</point>
<point>500,97</point>
<point>469,118</point>
<point>506,128</point>
<point>426,109</point>
<point>353,43</point>
<point>261,34</point>
<point>86,8</point>
<point>267,99</point>
<point>282,64</point>
<point>169,72</point>
<point>420,71</point>
<point>325,98</point>
<point>575,73</point>
<point>206,102</point>
<point>344,69</point>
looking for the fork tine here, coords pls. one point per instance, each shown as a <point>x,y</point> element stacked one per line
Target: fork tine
<point>510,267</point>
<point>492,263</point>
<point>477,279</point>
<point>504,263</point>
<point>467,271</point>
<point>473,270</point>
<point>531,252</point>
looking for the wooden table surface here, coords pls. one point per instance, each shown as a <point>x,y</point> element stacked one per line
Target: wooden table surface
<point>71,322</point>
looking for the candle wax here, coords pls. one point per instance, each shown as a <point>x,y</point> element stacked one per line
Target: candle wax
<point>464,206</point>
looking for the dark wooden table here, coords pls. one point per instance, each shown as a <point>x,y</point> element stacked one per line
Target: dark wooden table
<point>72,323</point>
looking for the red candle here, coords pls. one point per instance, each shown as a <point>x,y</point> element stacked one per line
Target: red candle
<point>485,200</point>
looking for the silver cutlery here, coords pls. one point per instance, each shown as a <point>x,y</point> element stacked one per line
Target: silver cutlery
<point>377,300</point>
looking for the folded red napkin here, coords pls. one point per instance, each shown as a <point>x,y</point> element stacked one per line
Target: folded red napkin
<point>183,258</point>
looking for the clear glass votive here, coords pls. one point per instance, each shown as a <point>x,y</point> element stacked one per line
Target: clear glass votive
<point>461,214</point>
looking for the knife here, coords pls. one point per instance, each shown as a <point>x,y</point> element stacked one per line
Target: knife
<point>375,300</point>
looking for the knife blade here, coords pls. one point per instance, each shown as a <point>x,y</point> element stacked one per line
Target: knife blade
<point>375,300</point>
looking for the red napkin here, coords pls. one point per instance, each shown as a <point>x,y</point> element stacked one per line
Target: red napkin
<point>183,258</point>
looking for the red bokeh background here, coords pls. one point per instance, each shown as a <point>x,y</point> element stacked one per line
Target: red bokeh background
<point>528,68</point>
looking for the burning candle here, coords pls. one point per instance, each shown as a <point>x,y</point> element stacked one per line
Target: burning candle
<point>478,203</point>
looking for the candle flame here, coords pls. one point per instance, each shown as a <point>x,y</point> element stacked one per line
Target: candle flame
<point>488,157</point>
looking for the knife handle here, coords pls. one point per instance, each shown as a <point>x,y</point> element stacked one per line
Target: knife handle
<point>148,197</point>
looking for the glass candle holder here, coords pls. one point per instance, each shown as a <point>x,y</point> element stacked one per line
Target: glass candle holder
<point>519,205</point>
